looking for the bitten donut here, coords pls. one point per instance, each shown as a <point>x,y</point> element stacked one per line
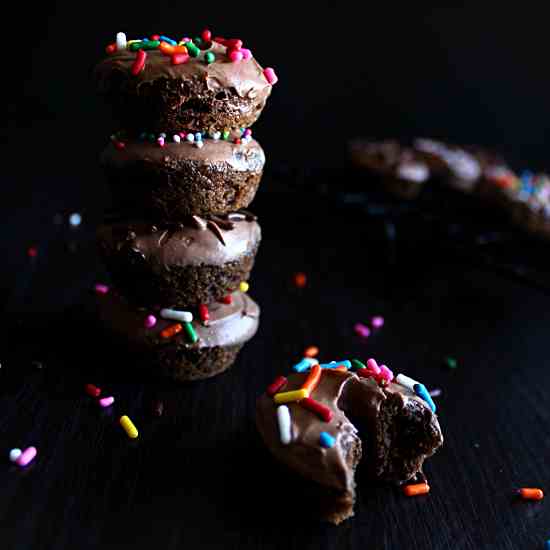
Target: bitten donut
<point>181,349</point>
<point>307,420</point>
<point>197,261</point>
<point>398,169</point>
<point>196,84</point>
<point>165,180</point>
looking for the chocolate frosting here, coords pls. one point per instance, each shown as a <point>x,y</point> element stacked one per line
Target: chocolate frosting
<point>245,77</point>
<point>229,324</point>
<point>210,241</point>
<point>240,157</point>
<point>341,392</point>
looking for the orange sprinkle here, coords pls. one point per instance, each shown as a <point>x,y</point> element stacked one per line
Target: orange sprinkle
<point>341,368</point>
<point>300,280</point>
<point>311,351</point>
<point>180,49</point>
<point>167,49</point>
<point>528,493</point>
<point>312,379</point>
<point>172,330</point>
<point>416,489</point>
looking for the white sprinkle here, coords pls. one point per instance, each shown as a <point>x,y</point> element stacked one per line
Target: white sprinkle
<point>190,138</point>
<point>162,135</point>
<point>15,454</point>
<point>283,419</point>
<point>121,43</point>
<point>75,219</point>
<point>199,144</point>
<point>216,135</point>
<point>175,315</point>
<point>406,381</point>
<point>176,138</point>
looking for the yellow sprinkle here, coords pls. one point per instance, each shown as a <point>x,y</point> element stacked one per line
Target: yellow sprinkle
<point>290,396</point>
<point>244,286</point>
<point>132,41</point>
<point>129,427</point>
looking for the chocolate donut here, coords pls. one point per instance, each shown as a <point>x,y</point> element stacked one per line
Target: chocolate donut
<point>453,165</point>
<point>182,354</point>
<point>198,261</point>
<point>397,430</point>
<point>195,95</point>
<point>398,169</point>
<point>174,180</point>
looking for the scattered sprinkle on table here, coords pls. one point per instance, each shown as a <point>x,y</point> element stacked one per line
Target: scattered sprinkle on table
<point>106,401</point>
<point>75,219</point>
<point>26,457</point>
<point>15,454</point>
<point>436,392</point>
<point>529,493</point>
<point>361,330</point>
<point>128,427</point>
<point>311,351</point>
<point>92,391</point>
<point>300,280</point>
<point>377,321</point>
<point>101,289</point>
<point>451,362</point>
<point>416,489</point>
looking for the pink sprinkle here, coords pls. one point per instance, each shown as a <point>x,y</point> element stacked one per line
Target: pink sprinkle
<point>26,457</point>
<point>247,132</point>
<point>32,251</point>
<point>362,330</point>
<point>386,373</point>
<point>236,55</point>
<point>377,322</point>
<point>247,54</point>
<point>160,141</point>
<point>186,39</point>
<point>372,365</point>
<point>150,321</point>
<point>182,135</point>
<point>270,75</point>
<point>101,289</point>
<point>106,401</point>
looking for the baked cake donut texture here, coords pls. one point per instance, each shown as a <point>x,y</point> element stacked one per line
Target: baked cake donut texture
<point>183,166</point>
<point>324,419</point>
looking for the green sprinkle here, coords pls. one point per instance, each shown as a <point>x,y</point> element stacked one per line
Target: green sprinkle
<point>150,44</point>
<point>225,134</point>
<point>192,50</point>
<point>190,332</point>
<point>209,57</point>
<point>356,364</point>
<point>197,41</point>
<point>451,362</point>
<point>152,138</point>
<point>135,46</point>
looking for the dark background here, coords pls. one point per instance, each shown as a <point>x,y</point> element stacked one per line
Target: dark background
<point>450,277</point>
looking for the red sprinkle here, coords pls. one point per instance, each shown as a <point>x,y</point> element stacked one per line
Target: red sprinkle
<point>155,37</point>
<point>204,314</point>
<point>237,141</point>
<point>139,63</point>
<point>92,391</point>
<point>278,384</point>
<point>111,48</point>
<point>365,373</point>
<point>300,280</point>
<point>233,43</point>
<point>119,145</point>
<point>180,58</point>
<point>219,40</point>
<point>32,251</point>
<point>227,299</point>
<point>206,35</point>
<point>319,409</point>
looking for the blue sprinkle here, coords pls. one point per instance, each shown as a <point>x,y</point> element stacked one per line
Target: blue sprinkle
<point>326,440</point>
<point>75,219</point>
<point>198,136</point>
<point>547,545</point>
<point>303,365</point>
<point>143,136</point>
<point>169,40</point>
<point>423,393</point>
<point>334,364</point>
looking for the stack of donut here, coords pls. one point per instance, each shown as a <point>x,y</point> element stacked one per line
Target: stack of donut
<point>180,246</point>
<point>403,170</point>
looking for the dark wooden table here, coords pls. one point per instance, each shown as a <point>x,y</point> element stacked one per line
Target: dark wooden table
<point>198,477</point>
